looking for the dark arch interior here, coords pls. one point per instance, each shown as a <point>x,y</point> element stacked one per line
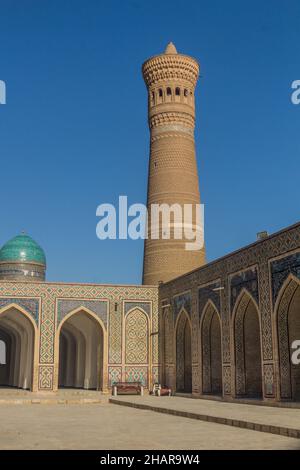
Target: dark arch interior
<point>17,340</point>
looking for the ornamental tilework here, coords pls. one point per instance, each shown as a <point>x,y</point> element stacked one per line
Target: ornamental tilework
<point>114,375</point>
<point>136,337</point>
<point>181,301</point>
<point>244,280</point>
<point>261,269</point>
<point>136,374</point>
<point>65,306</point>
<point>155,375</point>
<point>227,380</point>
<point>155,332</point>
<point>46,377</point>
<point>281,269</point>
<point>73,296</point>
<point>30,305</point>
<point>115,334</point>
<point>207,293</point>
<point>146,306</point>
<point>269,380</point>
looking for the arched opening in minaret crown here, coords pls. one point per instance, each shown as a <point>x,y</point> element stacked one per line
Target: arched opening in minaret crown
<point>81,351</point>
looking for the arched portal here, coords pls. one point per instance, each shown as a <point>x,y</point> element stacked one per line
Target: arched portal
<point>183,354</point>
<point>247,348</point>
<point>17,333</point>
<point>288,331</point>
<point>211,351</point>
<point>81,352</point>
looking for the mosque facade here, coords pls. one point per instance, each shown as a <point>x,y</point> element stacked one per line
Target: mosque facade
<point>224,329</point>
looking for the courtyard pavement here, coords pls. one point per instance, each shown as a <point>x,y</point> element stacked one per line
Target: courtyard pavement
<point>107,426</point>
<point>283,421</point>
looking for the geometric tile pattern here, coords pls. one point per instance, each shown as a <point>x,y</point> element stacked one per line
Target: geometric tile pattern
<point>114,375</point>
<point>136,374</point>
<point>45,377</point>
<point>208,293</point>
<point>182,301</point>
<point>99,307</point>
<point>68,297</point>
<point>30,305</point>
<point>136,337</point>
<point>261,269</point>
<point>281,269</point>
<point>146,306</point>
<point>245,280</point>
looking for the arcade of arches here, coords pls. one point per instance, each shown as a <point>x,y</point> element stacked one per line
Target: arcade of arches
<point>246,337</point>
<point>231,329</point>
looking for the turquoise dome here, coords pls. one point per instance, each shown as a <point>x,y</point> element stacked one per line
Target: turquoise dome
<point>22,248</point>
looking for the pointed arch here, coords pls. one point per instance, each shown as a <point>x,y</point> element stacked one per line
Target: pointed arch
<point>287,324</point>
<point>183,334</point>
<point>247,346</point>
<point>81,349</point>
<point>20,333</point>
<point>211,349</point>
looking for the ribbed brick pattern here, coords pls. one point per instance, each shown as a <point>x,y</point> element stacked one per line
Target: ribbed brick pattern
<point>171,79</point>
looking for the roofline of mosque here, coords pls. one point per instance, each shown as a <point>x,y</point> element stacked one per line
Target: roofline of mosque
<point>63,283</point>
<point>232,253</point>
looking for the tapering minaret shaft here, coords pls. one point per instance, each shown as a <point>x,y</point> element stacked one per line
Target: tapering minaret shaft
<point>171,79</point>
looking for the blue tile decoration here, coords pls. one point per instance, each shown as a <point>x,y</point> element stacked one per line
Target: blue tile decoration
<point>280,270</point>
<point>99,307</point>
<point>30,305</point>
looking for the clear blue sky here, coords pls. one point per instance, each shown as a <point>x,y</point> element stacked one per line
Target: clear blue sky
<point>74,131</point>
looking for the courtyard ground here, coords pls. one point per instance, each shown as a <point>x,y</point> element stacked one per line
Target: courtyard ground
<point>108,426</point>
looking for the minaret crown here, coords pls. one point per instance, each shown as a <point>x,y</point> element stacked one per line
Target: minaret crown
<point>171,49</point>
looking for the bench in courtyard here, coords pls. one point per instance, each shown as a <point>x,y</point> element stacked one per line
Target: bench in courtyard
<point>128,388</point>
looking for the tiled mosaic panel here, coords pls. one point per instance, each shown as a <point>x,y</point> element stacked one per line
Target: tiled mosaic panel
<point>207,293</point>
<point>227,380</point>
<point>45,377</point>
<point>154,337</point>
<point>136,374</point>
<point>146,306</point>
<point>30,305</point>
<point>182,301</point>
<point>245,280</point>
<point>155,375</point>
<point>269,380</point>
<point>136,337</point>
<point>114,375</point>
<point>281,269</point>
<point>115,333</point>
<point>98,307</point>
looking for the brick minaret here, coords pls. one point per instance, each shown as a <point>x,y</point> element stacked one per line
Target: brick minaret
<point>171,79</point>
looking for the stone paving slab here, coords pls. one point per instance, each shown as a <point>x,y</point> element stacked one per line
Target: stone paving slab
<point>114,427</point>
<point>62,397</point>
<point>282,421</point>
